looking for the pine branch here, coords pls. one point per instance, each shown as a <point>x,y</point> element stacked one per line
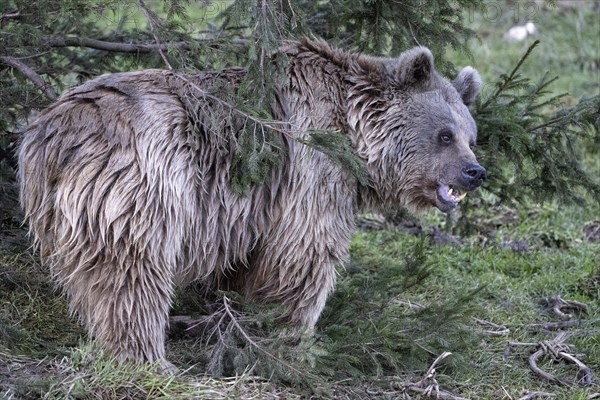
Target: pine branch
<point>510,78</point>
<point>258,347</point>
<point>33,76</point>
<point>73,41</point>
<point>551,122</point>
<point>264,123</point>
<point>153,22</point>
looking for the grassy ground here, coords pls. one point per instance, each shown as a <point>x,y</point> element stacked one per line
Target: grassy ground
<point>569,48</point>
<point>412,291</point>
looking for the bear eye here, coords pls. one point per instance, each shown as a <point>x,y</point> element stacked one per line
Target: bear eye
<point>446,136</point>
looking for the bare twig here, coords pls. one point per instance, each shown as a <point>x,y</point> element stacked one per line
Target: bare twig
<point>440,394</point>
<point>552,326</point>
<point>536,395</point>
<point>31,75</point>
<point>431,370</point>
<point>528,344</point>
<point>408,303</point>
<point>497,330</point>
<point>533,366</point>
<point>152,22</point>
<point>413,34</point>
<point>12,14</point>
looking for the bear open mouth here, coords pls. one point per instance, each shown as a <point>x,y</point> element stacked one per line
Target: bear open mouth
<point>449,196</point>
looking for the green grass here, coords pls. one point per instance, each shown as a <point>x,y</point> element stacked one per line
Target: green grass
<point>517,291</point>
<point>367,339</point>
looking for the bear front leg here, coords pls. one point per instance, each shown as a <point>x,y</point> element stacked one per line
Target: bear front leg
<point>125,306</point>
<point>315,282</point>
<point>297,268</point>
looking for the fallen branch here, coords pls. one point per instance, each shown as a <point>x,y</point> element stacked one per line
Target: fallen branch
<point>560,306</point>
<point>558,350</point>
<point>536,395</point>
<point>30,74</point>
<point>497,330</point>
<point>428,385</point>
<point>553,326</point>
<point>252,342</point>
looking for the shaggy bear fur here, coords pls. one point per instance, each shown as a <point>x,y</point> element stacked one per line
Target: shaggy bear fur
<point>125,182</point>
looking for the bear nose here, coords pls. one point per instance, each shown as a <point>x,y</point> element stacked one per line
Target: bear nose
<point>475,174</point>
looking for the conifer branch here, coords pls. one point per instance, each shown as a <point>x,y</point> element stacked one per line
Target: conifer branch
<point>255,345</point>
<point>30,74</point>
<point>74,41</point>
<point>509,78</point>
<point>272,125</point>
<point>152,22</point>
<point>546,124</point>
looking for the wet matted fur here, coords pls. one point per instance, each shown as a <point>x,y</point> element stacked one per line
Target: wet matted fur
<point>125,183</point>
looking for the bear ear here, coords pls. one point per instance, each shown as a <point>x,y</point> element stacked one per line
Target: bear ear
<point>467,84</point>
<point>415,66</point>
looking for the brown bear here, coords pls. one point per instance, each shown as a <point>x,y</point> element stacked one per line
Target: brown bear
<point>125,183</point>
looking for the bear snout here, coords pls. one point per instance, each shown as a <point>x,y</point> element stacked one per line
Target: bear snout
<point>473,175</point>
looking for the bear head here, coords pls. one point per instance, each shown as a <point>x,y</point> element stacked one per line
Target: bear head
<point>413,129</point>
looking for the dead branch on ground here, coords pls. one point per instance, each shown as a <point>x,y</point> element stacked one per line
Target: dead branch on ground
<point>497,330</point>
<point>558,350</point>
<point>428,385</point>
<point>561,306</point>
<point>537,395</point>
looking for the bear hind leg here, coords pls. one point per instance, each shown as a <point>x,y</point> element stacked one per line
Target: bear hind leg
<point>125,307</point>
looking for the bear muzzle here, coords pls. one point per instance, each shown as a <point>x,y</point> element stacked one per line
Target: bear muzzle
<point>449,195</point>
<point>473,176</point>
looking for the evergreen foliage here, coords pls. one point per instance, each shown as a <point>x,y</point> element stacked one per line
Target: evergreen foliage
<point>529,141</point>
<point>532,144</point>
<point>337,147</point>
<point>384,27</point>
<point>385,334</point>
<point>367,329</point>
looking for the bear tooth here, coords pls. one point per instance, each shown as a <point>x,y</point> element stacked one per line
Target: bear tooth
<point>462,196</point>
<point>450,192</point>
